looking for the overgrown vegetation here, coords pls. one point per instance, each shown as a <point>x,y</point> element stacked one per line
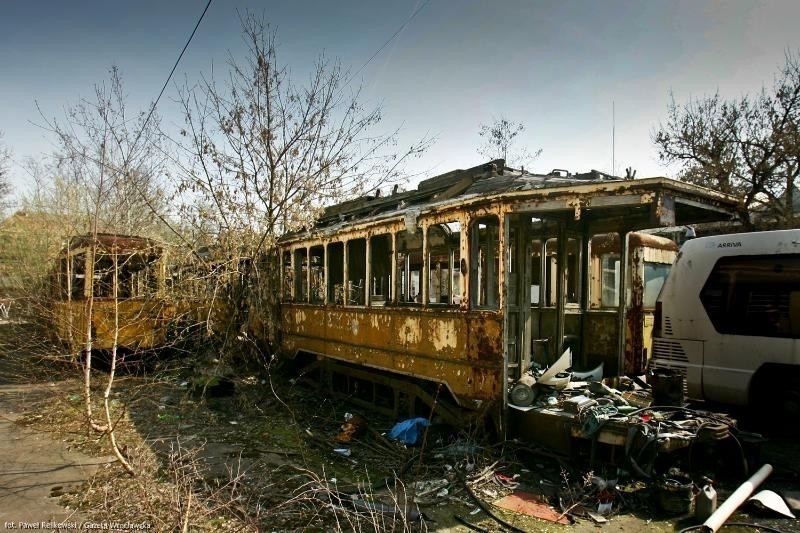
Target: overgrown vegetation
<point>259,155</point>
<point>747,146</point>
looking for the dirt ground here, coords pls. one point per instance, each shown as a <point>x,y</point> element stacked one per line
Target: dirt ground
<point>268,456</point>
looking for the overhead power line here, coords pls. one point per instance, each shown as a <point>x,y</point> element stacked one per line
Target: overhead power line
<point>171,72</point>
<point>390,39</point>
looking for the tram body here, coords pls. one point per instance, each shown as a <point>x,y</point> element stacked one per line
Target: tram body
<point>111,288</point>
<point>446,294</point>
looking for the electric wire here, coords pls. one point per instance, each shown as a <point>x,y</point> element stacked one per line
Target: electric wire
<point>171,72</point>
<point>390,39</point>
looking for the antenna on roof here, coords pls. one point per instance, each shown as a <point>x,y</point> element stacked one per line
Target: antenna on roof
<point>613,139</point>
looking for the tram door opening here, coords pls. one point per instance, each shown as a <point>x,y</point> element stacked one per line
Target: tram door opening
<point>517,311</point>
<point>554,291</point>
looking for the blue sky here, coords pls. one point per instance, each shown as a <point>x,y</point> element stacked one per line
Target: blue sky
<point>555,66</point>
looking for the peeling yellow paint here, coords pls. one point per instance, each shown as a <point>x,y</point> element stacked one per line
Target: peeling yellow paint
<point>443,334</point>
<point>409,331</point>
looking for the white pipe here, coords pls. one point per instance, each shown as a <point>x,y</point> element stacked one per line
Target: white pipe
<point>724,511</point>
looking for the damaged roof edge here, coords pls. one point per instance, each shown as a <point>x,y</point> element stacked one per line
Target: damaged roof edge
<point>108,241</point>
<point>493,181</point>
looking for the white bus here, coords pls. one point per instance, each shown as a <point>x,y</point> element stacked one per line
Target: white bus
<point>728,318</point>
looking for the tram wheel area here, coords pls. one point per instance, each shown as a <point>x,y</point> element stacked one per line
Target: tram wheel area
<point>391,395</point>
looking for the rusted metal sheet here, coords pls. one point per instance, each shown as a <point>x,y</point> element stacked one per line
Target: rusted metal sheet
<point>142,323</point>
<point>601,339</point>
<point>461,350</point>
<point>635,359</point>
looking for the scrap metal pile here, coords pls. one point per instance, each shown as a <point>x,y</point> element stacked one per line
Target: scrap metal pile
<point>553,407</point>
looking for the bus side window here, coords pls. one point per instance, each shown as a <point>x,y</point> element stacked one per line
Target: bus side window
<point>752,295</point>
<point>794,313</point>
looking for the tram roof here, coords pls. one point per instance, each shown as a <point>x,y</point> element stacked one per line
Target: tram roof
<point>112,241</point>
<point>558,190</point>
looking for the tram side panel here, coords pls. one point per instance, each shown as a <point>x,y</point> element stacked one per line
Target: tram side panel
<point>462,350</point>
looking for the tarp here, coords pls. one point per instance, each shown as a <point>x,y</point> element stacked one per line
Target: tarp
<point>409,431</point>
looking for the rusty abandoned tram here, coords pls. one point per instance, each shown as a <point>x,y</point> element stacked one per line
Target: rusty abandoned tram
<point>441,297</point>
<point>124,280</point>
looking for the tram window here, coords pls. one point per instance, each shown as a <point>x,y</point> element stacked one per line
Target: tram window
<point>444,258</point>
<point>356,271</point>
<point>485,257</point>
<point>317,274</point>
<point>103,277</point>
<point>604,268</point>
<point>288,276</point>
<point>336,273</point>
<point>573,288</point>
<point>536,271</point>
<point>300,275</point>
<point>551,273</point>
<point>63,275</point>
<point>79,286</point>
<point>380,268</point>
<point>655,274</point>
<point>609,280</point>
<point>137,276</point>
<point>572,273</point>
<point>409,267</point>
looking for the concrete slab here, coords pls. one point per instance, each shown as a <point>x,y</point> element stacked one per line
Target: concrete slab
<point>35,469</point>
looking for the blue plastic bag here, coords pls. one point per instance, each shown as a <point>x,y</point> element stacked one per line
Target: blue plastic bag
<point>409,431</point>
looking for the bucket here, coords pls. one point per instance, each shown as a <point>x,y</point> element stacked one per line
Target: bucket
<point>676,494</point>
<point>667,387</point>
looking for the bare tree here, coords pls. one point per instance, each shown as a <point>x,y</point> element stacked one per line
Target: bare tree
<point>500,140</point>
<point>266,154</point>
<point>746,146</point>
<point>107,180</point>
<point>112,161</point>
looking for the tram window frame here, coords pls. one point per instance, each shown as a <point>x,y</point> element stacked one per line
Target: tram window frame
<point>572,272</point>
<point>317,265</point>
<point>609,280</point>
<point>356,271</point>
<point>300,274</point>
<point>572,287</point>
<point>103,276</point>
<point>484,281</point>
<point>550,282</point>
<point>537,287</point>
<point>62,278</point>
<point>137,275</point>
<point>335,273</point>
<point>654,276</point>
<point>410,267</point>
<point>288,276</point>
<point>604,269</point>
<point>380,250</point>
<point>441,248</point>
